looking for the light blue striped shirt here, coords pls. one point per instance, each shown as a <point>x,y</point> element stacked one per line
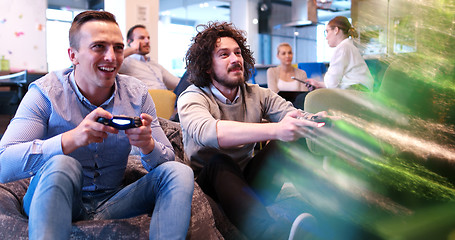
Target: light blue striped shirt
<point>149,72</point>
<point>54,105</point>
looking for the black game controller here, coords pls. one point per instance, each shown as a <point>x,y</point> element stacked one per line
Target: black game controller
<point>322,121</point>
<point>121,123</point>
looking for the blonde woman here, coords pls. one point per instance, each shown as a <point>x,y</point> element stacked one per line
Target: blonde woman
<point>347,69</point>
<point>281,78</point>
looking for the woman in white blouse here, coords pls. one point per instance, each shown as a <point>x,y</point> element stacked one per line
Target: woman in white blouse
<point>347,69</point>
<point>280,78</point>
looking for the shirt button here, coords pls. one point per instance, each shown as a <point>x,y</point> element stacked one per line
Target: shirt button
<point>30,173</point>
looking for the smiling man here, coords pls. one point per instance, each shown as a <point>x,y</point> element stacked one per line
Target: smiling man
<point>222,119</point>
<point>77,163</point>
<point>141,66</point>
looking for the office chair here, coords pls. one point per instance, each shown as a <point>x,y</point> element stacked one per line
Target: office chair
<point>15,80</point>
<point>164,102</point>
<point>10,99</point>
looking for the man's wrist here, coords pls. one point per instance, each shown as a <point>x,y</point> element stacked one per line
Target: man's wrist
<point>148,149</point>
<point>67,143</point>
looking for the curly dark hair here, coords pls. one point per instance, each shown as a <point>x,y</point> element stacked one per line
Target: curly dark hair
<point>199,55</point>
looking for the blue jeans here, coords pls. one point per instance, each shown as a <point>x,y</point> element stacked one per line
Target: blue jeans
<point>55,198</point>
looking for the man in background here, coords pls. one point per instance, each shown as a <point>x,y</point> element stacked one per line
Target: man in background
<point>140,66</point>
<point>222,119</point>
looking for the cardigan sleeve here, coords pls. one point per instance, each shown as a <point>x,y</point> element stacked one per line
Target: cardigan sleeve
<point>272,78</point>
<point>300,74</point>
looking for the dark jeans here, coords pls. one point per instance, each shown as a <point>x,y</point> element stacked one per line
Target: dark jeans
<point>243,195</point>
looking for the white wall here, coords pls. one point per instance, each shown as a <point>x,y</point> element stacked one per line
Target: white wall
<point>145,12</point>
<point>22,34</point>
<point>242,15</point>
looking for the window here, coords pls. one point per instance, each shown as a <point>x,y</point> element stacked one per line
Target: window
<point>57,27</point>
<point>177,26</point>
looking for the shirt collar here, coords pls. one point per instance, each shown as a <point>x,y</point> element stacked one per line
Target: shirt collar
<point>81,97</point>
<point>142,58</point>
<point>221,97</point>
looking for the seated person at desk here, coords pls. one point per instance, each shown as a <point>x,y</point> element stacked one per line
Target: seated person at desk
<point>347,69</point>
<point>76,163</point>
<point>280,78</point>
<point>140,66</point>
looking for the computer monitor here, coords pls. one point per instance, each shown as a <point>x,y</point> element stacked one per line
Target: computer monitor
<point>297,98</point>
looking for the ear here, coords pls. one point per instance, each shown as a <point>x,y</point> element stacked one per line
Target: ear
<point>72,54</point>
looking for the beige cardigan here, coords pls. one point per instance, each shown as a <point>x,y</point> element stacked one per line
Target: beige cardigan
<point>273,74</point>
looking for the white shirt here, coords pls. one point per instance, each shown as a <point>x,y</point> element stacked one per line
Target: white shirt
<point>288,86</point>
<point>347,67</point>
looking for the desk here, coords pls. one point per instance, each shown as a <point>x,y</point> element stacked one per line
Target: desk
<point>13,88</point>
<point>15,81</point>
<point>296,98</point>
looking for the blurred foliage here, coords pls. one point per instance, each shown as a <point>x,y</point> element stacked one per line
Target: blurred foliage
<point>391,168</point>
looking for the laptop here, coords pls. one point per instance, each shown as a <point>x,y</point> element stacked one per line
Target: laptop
<point>297,98</point>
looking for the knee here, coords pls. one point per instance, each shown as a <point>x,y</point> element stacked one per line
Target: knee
<point>178,173</point>
<point>220,165</point>
<point>65,166</point>
<point>222,162</point>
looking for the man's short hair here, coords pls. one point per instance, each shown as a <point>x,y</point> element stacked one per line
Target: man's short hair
<point>199,55</point>
<point>129,35</point>
<point>84,17</point>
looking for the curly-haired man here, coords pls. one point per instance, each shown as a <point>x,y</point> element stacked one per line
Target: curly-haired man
<point>222,119</point>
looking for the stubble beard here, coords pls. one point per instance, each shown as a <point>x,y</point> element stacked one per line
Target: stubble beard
<point>230,84</point>
<point>143,51</point>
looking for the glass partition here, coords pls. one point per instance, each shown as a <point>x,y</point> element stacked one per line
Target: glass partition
<point>177,26</point>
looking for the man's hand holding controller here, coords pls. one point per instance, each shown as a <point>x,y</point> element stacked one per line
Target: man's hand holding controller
<point>295,125</point>
<point>121,122</point>
<point>89,131</point>
<point>139,137</point>
<point>321,119</point>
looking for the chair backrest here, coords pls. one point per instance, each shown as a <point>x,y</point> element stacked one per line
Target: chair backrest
<point>411,94</point>
<point>377,69</point>
<point>313,69</point>
<point>17,78</point>
<point>182,86</point>
<point>348,102</point>
<point>164,102</point>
